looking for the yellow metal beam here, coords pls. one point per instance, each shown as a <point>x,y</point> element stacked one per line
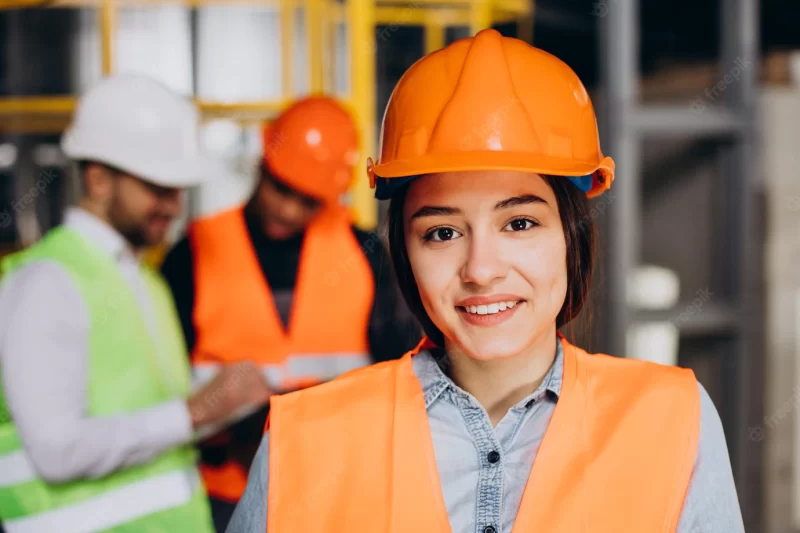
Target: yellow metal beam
<point>52,114</point>
<point>65,105</point>
<point>480,16</point>
<point>287,50</point>
<point>335,17</point>
<point>22,4</point>
<point>330,53</point>
<point>426,4</point>
<point>518,6</point>
<point>411,16</point>
<point>337,14</point>
<point>242,110</point>
<point>46,105</point>
<point>35,115</point>
<point>513,7</point>
<point>361,23</point>
<point>315,12</point>
<point>503,17</point>
<point>434,35</point>
<point>107,35</point>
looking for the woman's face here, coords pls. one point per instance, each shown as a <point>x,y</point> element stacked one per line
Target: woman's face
<point>488,253</point>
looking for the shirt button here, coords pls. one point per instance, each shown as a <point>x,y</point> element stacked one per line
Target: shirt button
<point>493,457</point>
<point>489,529</point>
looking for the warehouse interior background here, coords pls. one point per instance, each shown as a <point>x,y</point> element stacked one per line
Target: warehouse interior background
<point>698,103</point>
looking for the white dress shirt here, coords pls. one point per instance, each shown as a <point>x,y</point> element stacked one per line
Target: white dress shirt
<point>44,335</point>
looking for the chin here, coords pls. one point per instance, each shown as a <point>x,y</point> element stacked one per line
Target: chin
<point>497,348</point>
<point>155,238</point>
<point>486,344</point>
<point>504,340</point>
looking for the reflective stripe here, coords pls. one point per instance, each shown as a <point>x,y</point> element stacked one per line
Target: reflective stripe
<point>15,469</point>
<point>323,367</point>
<point>115,507</point>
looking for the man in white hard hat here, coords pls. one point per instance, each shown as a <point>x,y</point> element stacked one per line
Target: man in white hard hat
<point>96,417</point>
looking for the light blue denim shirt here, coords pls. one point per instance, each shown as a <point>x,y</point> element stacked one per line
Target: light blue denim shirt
<point>478,494</point>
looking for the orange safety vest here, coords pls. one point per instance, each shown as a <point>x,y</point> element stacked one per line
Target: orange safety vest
<point>235,316</point>
<point>356,454</point>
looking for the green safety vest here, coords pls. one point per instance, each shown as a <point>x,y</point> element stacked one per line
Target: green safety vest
<point>128,371</point>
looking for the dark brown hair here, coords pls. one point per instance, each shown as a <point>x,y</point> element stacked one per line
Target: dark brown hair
<point>579,234</point>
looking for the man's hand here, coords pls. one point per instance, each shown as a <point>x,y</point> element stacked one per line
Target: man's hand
<point>235,388</point>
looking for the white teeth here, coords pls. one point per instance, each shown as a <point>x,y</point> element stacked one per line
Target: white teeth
<point>490,309</point>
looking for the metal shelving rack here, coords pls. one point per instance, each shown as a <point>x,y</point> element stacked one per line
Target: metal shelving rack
<point>626,122</point>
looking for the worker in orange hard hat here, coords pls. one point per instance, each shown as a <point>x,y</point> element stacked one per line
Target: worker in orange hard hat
<point>495,422</point>
<point>286,282</point>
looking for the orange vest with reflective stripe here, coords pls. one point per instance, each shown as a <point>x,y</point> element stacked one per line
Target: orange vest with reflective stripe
<point>236,319</point>
<point>235,315</point>
<point>617,456</point>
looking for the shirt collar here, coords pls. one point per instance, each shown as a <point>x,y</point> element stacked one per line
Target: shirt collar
<point>98,232</point>
<point>434,381</point>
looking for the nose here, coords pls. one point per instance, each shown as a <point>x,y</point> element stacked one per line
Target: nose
<point>484,263</point>
<point>291,209</point>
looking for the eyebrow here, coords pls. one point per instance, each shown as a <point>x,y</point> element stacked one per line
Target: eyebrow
<point>440,211</point>
<point>520,200</point>
<point>435,211</point>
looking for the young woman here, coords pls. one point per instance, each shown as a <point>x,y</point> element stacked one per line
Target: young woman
<point>495,423</point>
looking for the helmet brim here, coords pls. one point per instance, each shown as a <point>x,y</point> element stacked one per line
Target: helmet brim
<point>180,172</point>
<point>390,177</point>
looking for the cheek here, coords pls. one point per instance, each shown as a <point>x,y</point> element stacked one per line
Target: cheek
<point>542,262</point>
<point>147,204</point>
<point>435,270</point>
<point>266,197</point>
<point>133,201</point>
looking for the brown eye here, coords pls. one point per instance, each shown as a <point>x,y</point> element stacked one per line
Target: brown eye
<point>520,224</point>
<point>441,234</point>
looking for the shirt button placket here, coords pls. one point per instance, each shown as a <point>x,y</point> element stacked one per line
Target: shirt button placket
<point>493,457</point>
<point>490,479</point>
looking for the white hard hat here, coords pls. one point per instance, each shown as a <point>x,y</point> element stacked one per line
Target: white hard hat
<point>138,125</point>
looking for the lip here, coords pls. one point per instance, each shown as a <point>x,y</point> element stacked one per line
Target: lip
<point>486,300</point>
<point>278,231</point>
<point>488,320</point>
<point>161,222</point>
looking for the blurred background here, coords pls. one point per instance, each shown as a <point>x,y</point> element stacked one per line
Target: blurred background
<point>698,103</point>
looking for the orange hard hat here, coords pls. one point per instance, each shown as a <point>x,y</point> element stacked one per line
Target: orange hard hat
<point>490,103</point>
<point>313,147</point>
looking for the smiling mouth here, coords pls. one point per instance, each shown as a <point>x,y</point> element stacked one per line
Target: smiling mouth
<point>489,309</point>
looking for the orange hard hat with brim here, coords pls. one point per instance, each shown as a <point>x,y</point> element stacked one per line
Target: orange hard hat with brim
<point>490,103</point>
<point>313,147</point>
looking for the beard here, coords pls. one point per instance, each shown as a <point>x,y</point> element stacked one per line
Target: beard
<point>134,229</point>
